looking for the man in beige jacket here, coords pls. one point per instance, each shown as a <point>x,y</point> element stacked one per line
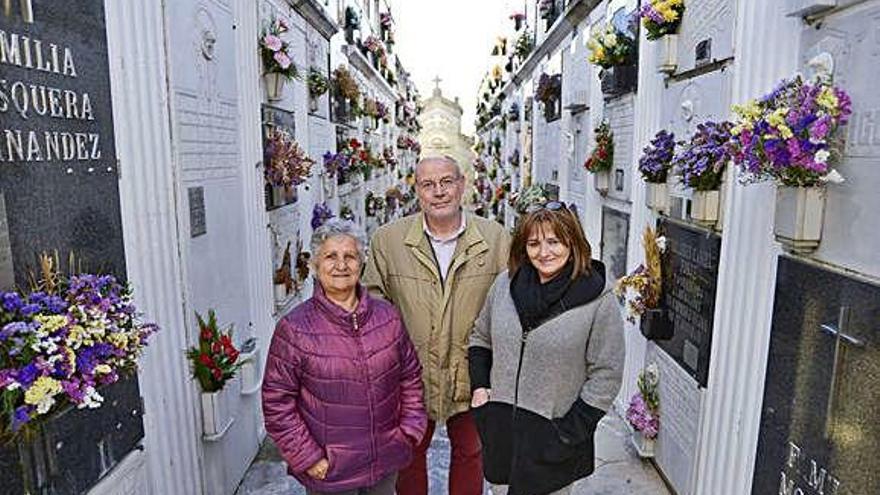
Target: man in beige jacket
<point>437,267</point>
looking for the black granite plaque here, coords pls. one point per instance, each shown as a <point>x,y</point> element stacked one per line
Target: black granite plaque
<point>197,222</point>
<point>819,429</point>
<point>57,157</point>
<point>690,279</point>
<point>615,232</point>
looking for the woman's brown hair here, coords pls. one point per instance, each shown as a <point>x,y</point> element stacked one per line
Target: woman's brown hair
<point>562,223</point>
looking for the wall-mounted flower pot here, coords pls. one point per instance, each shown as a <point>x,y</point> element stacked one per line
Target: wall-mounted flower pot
<point>656,324</point>
<point>799,216</point>
<point>274,83</point>
<point>644,446</point>
<point>704,207</point>
<point>668,54</point>
<point>619,80</point>
<point>313,103</point>
<point>657,196</point>
<point>602,181</point>
<point>248,374</point>
<point>280,292</point>
<point>215,415</point>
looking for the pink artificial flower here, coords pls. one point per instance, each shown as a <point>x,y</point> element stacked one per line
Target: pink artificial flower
<point>282,59</point>
<point>282,25</point>
<point>272,42</point>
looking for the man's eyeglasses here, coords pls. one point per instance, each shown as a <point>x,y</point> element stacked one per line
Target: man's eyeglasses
<point>549,205</point>
<point>445,184</point>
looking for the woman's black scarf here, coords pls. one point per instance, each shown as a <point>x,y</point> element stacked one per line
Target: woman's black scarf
<point>536,302</point>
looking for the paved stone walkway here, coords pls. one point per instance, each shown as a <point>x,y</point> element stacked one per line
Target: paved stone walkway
<point>618,470</point>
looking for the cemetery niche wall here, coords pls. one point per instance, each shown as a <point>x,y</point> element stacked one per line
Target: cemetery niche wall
<point>59,193</point>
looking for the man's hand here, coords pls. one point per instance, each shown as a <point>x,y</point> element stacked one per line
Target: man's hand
<point>319,469</point>
<point>480,397</point>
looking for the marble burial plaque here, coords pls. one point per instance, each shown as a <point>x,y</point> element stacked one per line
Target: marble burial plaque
<point>819,430</point>
<point>690,279</point>
<point>58,175</point>
<point>615,232</point>
<point>197,219</point>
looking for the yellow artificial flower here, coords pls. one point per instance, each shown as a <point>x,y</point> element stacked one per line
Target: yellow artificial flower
<point>49,324</point>
<point>119,340</point>
<point>828,100</point>
<point>103,369</point>
<point>42,393</point>
<point>777,120</point>
<point>749,112</point>
<point>600,54</point>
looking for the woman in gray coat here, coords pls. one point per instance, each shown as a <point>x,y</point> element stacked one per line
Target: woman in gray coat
<point>546,357</point>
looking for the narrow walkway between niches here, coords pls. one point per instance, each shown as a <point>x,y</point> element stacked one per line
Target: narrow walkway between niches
<point>619,471</point>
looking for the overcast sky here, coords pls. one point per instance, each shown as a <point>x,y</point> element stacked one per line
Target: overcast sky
<point>451,39</point>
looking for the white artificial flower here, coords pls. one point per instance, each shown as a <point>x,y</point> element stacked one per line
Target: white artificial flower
<point>822,156</point>
<point>610,40</point>
<point>92,399</point>
<point>45,404</point>
<point>833,177</point>
<point>661,243</point>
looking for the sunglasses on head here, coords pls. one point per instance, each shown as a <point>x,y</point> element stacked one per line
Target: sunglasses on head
<point>549,205</point>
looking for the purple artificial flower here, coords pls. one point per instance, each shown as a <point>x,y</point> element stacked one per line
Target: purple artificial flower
<point>11,301</point>
<point>27,375</point>
<point>7,376</point>
<point>320,214</point>
<point>272,42</point>
<point>30,309</point>
<point>21,416</point>
<point>657,158</point>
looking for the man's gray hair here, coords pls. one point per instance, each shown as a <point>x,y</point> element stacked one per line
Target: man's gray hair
<point>334,228</point>
<point>440,158</point>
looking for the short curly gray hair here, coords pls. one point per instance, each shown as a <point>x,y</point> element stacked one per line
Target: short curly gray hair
<point>333,228</point>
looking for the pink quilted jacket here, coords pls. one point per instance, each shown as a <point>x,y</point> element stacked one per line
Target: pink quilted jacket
<point>345,386</point>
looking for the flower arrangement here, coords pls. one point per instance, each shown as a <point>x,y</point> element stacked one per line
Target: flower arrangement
<point>546,8</point>
<point>524,45</point>
<point>601,159</point>
<point>526,197</point>
<point>63,340</point>
<point>792,135</point>
<point>657,157</point>
<point>374,45</point>
<point>640,290</point>
<point>320,214</point>
<point>345,84</point>
<point>389,156</point>
<point>700,164</point>
<point>382,112</point>
<point>518,19</point>
<point>549,88</point>
<point>610,47</point>
<point>407,142</point>
<point>346,213</point>
<point>275,52</point>
<point>352,19</point>
<point>318,83</point>
<point>215,358</point>
<point>282,275</point>
<point>661,17</point>
<point>373,204</point>
<point>286,164</point>
<point>385,20</point>
<point>643,412</point>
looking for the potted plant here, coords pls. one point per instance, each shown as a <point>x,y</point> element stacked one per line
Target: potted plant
<point>614,51</point>
<point>793,136</point>
<point>347,93</point>
<point>700,166</point>
<point>67,343</point>
<point>654,166</point>
<point>661,19</point>
<point>524,45</point>
<point>318,85</point>
<point>286,165</point>
<point>351,24</point>
<point>643,413</point>
<point>601,159</point>
<point>640,291</point>
<point>214,362</point>
<point>320,214</point>
<point>528,196</point>
<point>278,66</point>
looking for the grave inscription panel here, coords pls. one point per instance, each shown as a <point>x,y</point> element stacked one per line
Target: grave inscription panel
<point>819,431</point>
<point>690,278</point>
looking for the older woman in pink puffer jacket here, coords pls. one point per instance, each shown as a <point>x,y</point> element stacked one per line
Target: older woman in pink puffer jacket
<point>342,392</point>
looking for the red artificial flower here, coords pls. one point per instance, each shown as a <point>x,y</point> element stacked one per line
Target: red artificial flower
<point>205,359</point>
<point>232,354</point>
<point>226,341</point>
<point>206,334</point>
<point>354,144</point>
<point>217,373</point>
<point>216,348</point>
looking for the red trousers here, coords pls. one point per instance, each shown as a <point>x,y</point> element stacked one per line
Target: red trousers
<point>465,466</point>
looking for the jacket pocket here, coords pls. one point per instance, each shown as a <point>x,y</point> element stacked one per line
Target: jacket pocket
<point>462,386</point>
<point>345,462</point>
<point>494,424</point>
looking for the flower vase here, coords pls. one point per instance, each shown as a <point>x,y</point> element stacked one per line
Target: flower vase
<point>799,216</point>
<point>249,375</point>
<point>668,60</point>
<point>280,292</point>
<point>644,446</point>
<point>313,103</point>
<point>657,196</point>
<point>704,207</point>
<point>278,196</point>
<point>602,180</point>
<point>328,182</point>
<point>274,82</point>
<point>215,415</point>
